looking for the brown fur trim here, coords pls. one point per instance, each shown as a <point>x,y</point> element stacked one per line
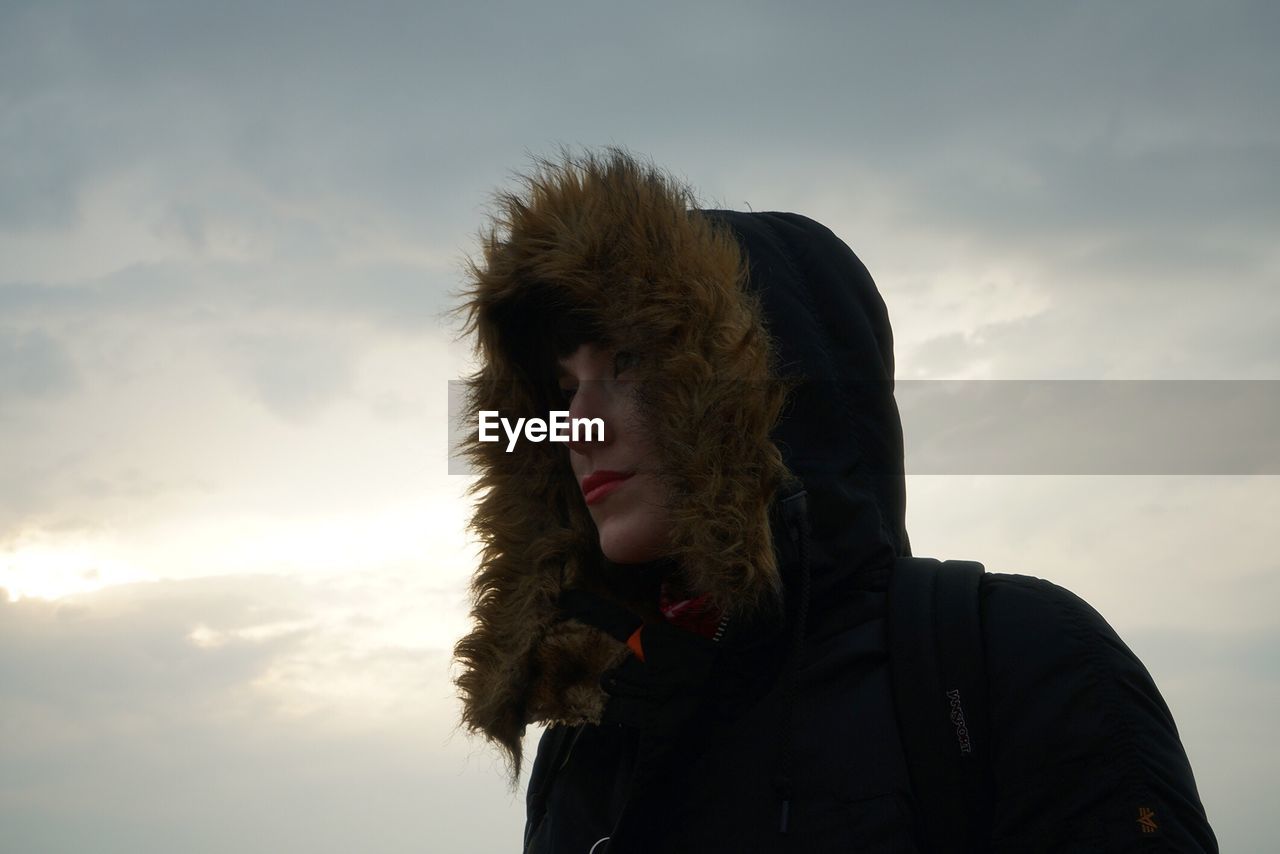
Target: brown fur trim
<point>613,244</point>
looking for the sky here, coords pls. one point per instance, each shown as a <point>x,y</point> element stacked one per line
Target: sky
<point>233,560</point>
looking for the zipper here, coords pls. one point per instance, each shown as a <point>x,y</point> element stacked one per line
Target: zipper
<point>720,629</point>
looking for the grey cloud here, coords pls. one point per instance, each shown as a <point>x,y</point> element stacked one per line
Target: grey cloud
<point>293,376</point>
<point>401,297</point>
<point>172,92</point>
<point>953,353</point>
<point>1119,125</point>
<point>1121,326</point>
<point>41,171</point>
<point>126,651</point>
<point>260,788</point>
<point>896,89</point>
<point>1195,201</point>
<point>74,492</point>
<point>122,735</point>
<point>1251,658</point>
<point>1152,265</point>
<point>33,364</point>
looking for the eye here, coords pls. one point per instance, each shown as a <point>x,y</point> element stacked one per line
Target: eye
<point>624,360</point>
<point>567,393</point>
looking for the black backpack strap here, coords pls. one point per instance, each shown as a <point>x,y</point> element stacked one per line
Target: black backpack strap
<point>940,689</point>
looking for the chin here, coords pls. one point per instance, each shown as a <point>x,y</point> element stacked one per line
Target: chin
<point>632,546</point>
<point>629,555</point>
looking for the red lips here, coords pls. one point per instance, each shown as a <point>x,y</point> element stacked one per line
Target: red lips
<point>598,484</point>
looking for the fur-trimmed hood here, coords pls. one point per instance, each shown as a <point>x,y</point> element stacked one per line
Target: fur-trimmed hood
<point>775,357</point>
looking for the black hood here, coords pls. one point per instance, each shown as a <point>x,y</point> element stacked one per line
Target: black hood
<point>840,432</point>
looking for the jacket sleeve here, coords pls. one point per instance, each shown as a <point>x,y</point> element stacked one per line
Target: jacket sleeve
<point>550,746</point>
<point>1085,753</point>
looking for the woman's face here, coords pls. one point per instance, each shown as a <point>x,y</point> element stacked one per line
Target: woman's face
<point>618,475</point>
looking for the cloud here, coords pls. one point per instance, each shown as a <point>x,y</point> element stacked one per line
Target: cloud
<point>293,376</point>
<point>129,650</point>
<point>1163,552</point>
<point>401,297</point>
<point>222,714</point>
<point>193,652</point>
<point>41,172</point>
<point>33,364</point>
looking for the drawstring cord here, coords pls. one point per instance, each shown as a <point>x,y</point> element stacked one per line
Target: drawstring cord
<point>796,517</point>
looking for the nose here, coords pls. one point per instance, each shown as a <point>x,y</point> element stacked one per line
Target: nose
<point>594,399</point>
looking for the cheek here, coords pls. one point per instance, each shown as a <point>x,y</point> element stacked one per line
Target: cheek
<point>646,515</point>
<point>636,528</point>
<point>631,418</point>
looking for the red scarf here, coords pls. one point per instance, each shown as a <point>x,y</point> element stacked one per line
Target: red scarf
<point>694,614</point>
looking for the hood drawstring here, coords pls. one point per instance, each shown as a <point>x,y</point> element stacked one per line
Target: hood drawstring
<point>796,519</point>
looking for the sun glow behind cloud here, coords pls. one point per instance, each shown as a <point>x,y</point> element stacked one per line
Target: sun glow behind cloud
<point>46,567</point>
<point>426,532</point>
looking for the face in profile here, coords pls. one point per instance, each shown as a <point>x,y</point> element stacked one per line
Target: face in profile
<point>618,476</point>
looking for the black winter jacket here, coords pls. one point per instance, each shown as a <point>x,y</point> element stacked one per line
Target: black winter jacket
<point>1087,755</point>
<point>792,741</point>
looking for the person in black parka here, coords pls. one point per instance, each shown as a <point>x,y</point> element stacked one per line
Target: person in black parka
<point>695,603</point>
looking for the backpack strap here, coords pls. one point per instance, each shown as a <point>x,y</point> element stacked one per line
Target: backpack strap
<point>939,692</point>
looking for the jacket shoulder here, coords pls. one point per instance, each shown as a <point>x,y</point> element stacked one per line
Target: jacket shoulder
<point>1083,746</point>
